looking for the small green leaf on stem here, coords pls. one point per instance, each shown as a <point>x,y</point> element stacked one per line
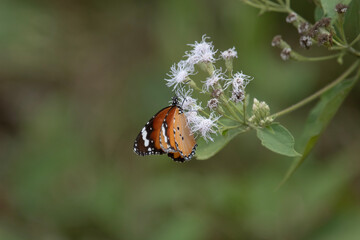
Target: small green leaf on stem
<point>277,138</point>
<point>319,13</point>
<point>329,7</point>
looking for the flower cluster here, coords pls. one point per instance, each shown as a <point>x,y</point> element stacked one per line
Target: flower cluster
<point>321,33</point>
<point>224,89</point>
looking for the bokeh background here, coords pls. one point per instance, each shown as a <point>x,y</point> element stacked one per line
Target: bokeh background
<point>78,79</point>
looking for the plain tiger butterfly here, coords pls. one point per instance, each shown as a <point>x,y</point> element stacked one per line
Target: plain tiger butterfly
<point>167,132</point>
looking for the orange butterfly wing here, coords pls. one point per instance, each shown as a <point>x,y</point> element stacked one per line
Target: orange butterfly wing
<point>148,140</point>
<point>184,139</point>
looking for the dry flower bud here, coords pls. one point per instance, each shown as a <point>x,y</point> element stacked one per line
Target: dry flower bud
<point>305,42</point>
<point>213,103</point>
<point>341,8</point>
<point>216,93</point>
<point>291,17</point>
<point>303,27</point>
<point>285,54</point>
<point>276,41</point>
<point>323,38</point>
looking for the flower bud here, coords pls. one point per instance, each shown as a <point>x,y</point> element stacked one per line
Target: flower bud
<point>261,114</point>
<point>216,93</point>
<point>305,41</point>
<point>292,17</point>
<point>285,54</point>
<point>213,103</point>
<point>341,8</point>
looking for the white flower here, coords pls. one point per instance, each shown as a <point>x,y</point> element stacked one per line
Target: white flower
<point>238,81</point>
<point>205,126</point>
<point>213,80</point>
<point>187,102</point>
<point>201,52</point>
<point>229,54</point>
<point>179,74</point>
<point>192,117</point>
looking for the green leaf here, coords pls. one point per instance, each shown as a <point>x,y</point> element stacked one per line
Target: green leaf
<point>277,139</point>
<point>352,22</point>
<point>208,149</point>
<point>329,7</point>
<point>319,13</point>
<point>319,118</point>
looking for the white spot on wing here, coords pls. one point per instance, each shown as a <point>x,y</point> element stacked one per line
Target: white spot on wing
<point>144,134</point>
<point>163,131</point>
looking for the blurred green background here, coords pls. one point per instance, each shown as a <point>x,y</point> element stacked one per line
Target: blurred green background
<point>78,79</point>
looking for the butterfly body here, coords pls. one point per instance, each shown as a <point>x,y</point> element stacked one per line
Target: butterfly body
<point>167,132</point>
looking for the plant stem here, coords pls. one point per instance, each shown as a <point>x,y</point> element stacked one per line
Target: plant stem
<point>223,99</point>
<point>265,8</point>
<point>341,27</point>
<point>313,59</point>
<point>230,127</point>
<point>234,105</point>
<point>355,40</point>
<point>318,93</point>
<point>244,107</point>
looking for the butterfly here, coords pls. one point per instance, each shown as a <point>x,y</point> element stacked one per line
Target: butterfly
<point>167,132</point>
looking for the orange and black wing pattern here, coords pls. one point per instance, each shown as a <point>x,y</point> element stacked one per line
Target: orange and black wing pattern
<point>167,132</point>
<point>148,140</point>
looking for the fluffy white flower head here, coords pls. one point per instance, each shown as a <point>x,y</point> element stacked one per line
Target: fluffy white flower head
<point>188,103</point>
<point>179,74</point>
<point>202,52</point>
<point>205,126</point>
<point>213,80</point>
<point>239,81</point>
<point>192,117</point>
<point>229,54</point>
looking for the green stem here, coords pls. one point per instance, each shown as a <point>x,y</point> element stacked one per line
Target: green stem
<point>355,40</point>
<point>287,2</point>
<point>265,8</point>
<point>223,99</point>
<point>234,105</point>
<point>341,27</point>
<point>230,127</point>
<point>353,51</point>
<point>318,93</point>
<point>313,59</point>
<point>244,107</point>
